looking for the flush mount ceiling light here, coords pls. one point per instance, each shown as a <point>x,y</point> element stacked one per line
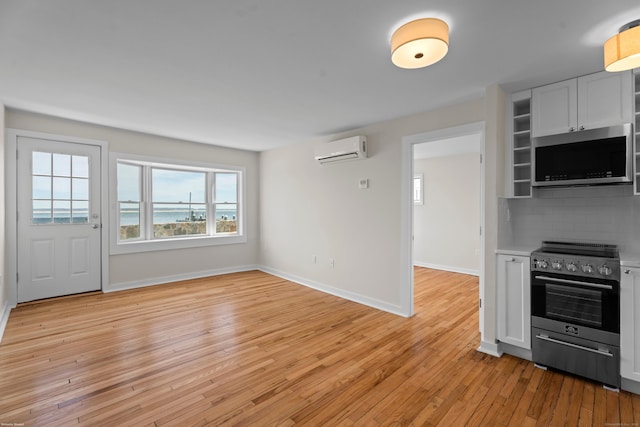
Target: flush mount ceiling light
<point>420,43</point>
<point>622,51</point>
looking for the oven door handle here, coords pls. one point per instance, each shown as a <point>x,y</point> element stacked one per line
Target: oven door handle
<point>575,282</point>
<point>568,344</point>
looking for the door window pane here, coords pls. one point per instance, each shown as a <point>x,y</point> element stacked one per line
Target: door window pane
<point>41,187</point>
<point>80,189</point>
<point>60,188</point>
<point>80,212</point>
<point>41,163</point>
<point>61,165</point>
<point>80,166</point>
<point>61,211</point>
<point>42,212</point>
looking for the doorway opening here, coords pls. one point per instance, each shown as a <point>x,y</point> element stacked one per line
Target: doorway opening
<point>437,141</point>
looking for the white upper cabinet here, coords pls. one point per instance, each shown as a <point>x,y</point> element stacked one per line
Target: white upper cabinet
<point>592,101</point>
<point>555,108</point>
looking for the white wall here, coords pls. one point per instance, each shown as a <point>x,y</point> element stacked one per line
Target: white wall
<point>308,209</point>
<point>154,267</point>
<point>446,227</point>
<point>609,214</point>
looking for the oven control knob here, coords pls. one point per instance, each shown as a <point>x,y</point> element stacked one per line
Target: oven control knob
<point>572,267</point>
<point>541,263</point>
<point>605,270</point>
<point>556,265</point>
<point>587,268</point>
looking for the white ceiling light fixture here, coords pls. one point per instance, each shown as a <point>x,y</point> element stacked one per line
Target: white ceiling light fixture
<point>420,43</point>
<point>622,51</point>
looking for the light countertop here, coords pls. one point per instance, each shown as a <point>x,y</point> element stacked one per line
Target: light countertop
<point>516,250</point>
<point>628,259</point>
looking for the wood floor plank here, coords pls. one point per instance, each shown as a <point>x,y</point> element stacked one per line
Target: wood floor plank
<point>253,349</point>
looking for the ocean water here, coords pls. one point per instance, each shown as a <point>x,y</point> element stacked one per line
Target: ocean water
<point>131,218</point>
<point>165,217</point>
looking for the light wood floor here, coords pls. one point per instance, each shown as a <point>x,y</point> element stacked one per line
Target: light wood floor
<point>253,349</point>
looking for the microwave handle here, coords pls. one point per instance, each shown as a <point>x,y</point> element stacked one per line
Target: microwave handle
<point>574,282</point>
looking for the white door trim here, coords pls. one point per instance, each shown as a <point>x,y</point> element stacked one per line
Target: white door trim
<point>11,164</point>
<point>406,249</point>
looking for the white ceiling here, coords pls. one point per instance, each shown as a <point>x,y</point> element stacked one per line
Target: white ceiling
<point>258,74</point>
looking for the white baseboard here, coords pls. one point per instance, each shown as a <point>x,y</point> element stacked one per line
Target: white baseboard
<point>490,348</point>
<point>6,311</point>
<point>351,296</point>
<point>630,386</point>
<point>447,268</point>
<point>176,278</point>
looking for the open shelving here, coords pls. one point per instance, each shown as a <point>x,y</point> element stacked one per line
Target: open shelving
<point>636,130</point>
<point>520,144</point>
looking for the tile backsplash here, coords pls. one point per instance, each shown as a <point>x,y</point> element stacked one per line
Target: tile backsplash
<point>606,214</point>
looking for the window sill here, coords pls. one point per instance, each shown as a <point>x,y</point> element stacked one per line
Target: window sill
<point>181,243</point>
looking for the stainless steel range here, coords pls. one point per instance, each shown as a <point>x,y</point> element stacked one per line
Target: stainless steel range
<point>575,309</point>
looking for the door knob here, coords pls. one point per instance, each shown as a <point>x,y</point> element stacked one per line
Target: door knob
<point>94,226</point>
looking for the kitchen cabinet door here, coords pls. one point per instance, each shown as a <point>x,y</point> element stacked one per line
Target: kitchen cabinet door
<point>630,324</point>
<point>588,102</point>
<point>604,99</point>
<point>514,300</point>
<point>554,108</point>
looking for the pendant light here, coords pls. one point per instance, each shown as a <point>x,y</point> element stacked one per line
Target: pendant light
<point>420,43</point>
<point>622,51</point>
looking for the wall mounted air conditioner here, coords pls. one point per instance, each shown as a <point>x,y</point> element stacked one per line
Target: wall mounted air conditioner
<point>351,148</point>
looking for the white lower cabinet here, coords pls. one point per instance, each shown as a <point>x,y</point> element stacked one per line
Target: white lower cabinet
<point>630,324</point>
<point>514,300</point>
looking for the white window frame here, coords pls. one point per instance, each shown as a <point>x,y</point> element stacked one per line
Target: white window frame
<point>117,246</point>
<point>420,199</point>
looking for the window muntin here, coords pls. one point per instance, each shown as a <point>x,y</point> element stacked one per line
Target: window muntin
<point>60,188</point>
<point>163,202</point>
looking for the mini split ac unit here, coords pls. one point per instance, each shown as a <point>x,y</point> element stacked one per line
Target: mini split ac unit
<point>351,148</point>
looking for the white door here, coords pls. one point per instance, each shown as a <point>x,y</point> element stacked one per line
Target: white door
<point>58,200</point>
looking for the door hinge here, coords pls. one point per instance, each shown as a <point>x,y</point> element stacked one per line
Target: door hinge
<point>481,230</point>
<point>480,158</point>
<point>17,277</point>
<point>480,301</point>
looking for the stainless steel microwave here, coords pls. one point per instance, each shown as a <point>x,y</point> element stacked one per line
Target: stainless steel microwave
<point>587,157</point>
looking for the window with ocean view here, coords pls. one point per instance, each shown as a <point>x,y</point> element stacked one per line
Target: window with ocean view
<point>160,202</point>
<point>60,188</point>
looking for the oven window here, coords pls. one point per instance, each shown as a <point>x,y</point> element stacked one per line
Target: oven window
<point>574,304</point>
